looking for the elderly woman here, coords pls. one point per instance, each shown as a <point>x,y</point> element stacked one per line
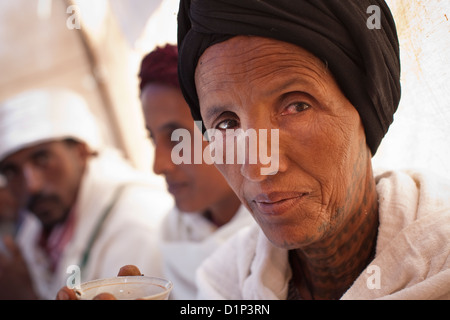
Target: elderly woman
<point>329,83</point>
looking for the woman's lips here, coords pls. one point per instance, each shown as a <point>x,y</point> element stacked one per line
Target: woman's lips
<point>277,203</point>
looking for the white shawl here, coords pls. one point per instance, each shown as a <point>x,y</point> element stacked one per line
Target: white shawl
<point>187,240</point>
<point>412,253</point>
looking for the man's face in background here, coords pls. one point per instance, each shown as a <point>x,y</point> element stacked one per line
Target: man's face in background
<point>45,178</point>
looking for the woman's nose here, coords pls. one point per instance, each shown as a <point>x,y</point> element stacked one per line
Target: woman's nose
<point>262,154</point>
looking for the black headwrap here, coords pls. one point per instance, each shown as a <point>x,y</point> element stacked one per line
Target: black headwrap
<point>364,61</point>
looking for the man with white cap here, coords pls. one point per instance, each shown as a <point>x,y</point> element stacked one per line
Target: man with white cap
<point>90,212</point>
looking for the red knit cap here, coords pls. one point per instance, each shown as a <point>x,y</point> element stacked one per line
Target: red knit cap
<point>160,66</point>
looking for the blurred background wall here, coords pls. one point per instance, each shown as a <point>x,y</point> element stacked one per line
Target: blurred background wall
<point>92,47</point>
<point>95,48</point>
<point>420,134</point>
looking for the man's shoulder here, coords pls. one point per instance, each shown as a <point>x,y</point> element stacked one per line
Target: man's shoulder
<point>232,261</point>
<point>236,253</point>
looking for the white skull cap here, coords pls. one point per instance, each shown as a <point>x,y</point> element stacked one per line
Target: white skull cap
<point>39,116</point>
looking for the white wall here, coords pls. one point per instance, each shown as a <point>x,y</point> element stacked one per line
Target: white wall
<point>420,134</point>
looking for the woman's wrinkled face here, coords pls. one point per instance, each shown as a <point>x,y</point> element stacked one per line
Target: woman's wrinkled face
<point>195,187</point>
<point>258,83</point>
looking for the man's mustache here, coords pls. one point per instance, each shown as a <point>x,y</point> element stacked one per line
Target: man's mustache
<point>38,198</point>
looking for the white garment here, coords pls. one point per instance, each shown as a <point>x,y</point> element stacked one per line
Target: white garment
<point>38,116</point>
<point>187,240</point>
<point>128,235</point>
<point>412,252</point>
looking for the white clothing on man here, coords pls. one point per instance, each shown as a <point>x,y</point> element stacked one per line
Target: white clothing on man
<point>411,261</point>
<point>187,239</point>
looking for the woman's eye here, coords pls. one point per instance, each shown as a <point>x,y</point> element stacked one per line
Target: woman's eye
<point>296,108</point>
<point>227,124</point>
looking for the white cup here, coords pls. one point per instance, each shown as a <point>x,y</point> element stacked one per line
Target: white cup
<point>127,288</point>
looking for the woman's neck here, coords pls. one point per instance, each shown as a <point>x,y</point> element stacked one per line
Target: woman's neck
<point>326,269</point>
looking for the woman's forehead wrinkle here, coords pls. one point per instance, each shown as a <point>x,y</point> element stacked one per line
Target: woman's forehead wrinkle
<point>213,111</point>
<point>281,64</point>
